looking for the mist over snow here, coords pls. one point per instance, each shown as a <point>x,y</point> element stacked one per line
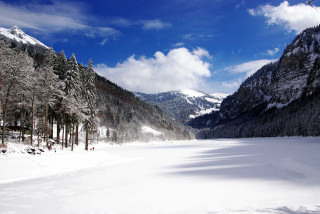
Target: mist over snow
<point>180,68</point>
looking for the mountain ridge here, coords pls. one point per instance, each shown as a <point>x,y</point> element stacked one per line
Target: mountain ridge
<point>281,90</point>
<point>18,35</point>
<point>186,104</point>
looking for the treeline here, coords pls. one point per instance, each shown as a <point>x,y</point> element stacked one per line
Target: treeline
<point>299,118</point>
<point>40,88</point>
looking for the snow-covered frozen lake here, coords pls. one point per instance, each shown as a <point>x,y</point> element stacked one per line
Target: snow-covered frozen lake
<point>267,175</point>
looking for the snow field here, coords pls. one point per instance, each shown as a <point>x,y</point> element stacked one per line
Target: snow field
<point>261,175</point>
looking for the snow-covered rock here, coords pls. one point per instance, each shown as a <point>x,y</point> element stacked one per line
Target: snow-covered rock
<point>17,34</point>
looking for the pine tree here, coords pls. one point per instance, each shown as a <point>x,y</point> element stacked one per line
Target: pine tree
<point>90,98</point>
<point>74,102</point>
<point>60,66</point>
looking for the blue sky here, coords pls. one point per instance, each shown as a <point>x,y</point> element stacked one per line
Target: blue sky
<point>154,46</point>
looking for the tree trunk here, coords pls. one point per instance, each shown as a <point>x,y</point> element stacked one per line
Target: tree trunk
<point>77,134</point>
<point>87,138</point>
<point>22,125</point>
<point>58,132</point>
<point>62,141</point>
<point>38,139</point>
<point>51,133</point>
<point>70,134</point>
<point>72,137</point>
<point>66,133</point>
<point>32,118</point>
<point>20,131</point>
<point>46,121</point>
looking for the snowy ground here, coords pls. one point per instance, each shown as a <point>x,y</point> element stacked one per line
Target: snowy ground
<point>271,175</point>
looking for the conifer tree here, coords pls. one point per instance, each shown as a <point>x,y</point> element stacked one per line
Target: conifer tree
<point>90,98</point>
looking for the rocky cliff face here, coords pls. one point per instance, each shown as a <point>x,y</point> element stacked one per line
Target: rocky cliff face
<point>298,70</point>
<point>296,74</point>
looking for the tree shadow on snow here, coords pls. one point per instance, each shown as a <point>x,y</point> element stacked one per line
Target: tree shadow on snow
<point>251,160</point>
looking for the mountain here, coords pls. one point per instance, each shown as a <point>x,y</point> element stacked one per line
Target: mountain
<point>121,115</point>
<point>19,36</point>
<point>133,118</point>
<point>184,105</point>
<point>281,98</point>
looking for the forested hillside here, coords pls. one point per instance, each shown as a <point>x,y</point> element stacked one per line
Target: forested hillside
<point>42,91</point>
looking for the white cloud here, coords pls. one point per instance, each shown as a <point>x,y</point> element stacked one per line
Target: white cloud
<point>249,67</point>
<point>294,18</point>
<point>106,33</point>
<point>178,44</point>
<point>151,24</point>
<point>53,17</point>
<point>179,69</point>
<point>232,84</point>
<point>196,36</point>
<point>155,24</point>
<point>272,52</point>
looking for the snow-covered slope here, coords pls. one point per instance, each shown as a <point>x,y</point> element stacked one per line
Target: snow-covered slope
<point>185,104</point>
<point>17,34</point>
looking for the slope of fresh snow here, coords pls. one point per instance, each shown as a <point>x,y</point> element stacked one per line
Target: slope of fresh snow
<point>192,93</point>
<point>219,95</point>
<point>16,34</point>
<point>262,175</point>
<point>203,112</point>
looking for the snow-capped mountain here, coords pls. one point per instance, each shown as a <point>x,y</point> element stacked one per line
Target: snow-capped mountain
<point>17,34</point>
<point>186,104</point>
<point>281,98</point>
<point>295,74</point>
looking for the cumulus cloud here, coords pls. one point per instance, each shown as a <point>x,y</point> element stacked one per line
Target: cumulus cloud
<point>249,67</point>
<point>179,69</point>
<point>293,18</point>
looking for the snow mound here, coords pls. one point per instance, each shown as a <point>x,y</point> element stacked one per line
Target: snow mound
<point>17,34</point>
